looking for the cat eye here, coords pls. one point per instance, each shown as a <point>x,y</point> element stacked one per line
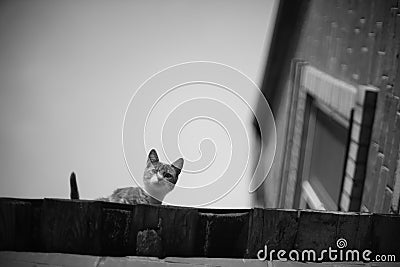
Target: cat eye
<point>167,175</point>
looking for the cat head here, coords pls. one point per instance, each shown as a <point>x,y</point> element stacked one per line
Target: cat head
<point>160,178</point>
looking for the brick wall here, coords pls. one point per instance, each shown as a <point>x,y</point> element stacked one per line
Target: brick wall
<point>357,42</point>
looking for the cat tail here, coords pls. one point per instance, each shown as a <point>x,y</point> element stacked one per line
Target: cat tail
<point>74,186</point>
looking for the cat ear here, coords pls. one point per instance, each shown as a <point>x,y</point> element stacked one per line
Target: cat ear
<point>178,163</point>
<point>153,157</point>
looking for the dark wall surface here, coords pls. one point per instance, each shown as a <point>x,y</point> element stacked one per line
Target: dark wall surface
<point>359,43</point>
<point>113,229</point>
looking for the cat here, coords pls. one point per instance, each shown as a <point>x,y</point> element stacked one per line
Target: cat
<point>159,179</point>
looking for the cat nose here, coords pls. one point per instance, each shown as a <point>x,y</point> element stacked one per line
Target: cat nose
<point>159,176</point>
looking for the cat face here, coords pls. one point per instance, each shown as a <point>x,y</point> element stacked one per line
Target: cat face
<point>160,178</point>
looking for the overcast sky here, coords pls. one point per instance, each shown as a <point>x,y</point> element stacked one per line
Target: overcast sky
<point>69,68</point>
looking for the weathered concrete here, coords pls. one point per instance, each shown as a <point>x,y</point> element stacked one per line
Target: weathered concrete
<point>29,259</point>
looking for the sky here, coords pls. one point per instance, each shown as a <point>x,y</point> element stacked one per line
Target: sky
<point>68,70</point>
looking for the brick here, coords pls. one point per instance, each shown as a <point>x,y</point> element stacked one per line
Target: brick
<point>396,188</point>
<point>392,149</point>
<point>387,200</point>
<point>393,152</point>
<point>378,120</point>
<point>388,44</point>
<point>380,189</point>
<point>384,124</point>
<point>375,160</point>
<point>391,114</point>
<point>377,67</point>
<point>372,38</point>
<point>396,42</point>
<point>396,89</point>
<point>363,62</point>
<point>342,45</point>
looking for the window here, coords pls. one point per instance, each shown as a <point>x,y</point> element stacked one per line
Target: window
<point>324,157</point>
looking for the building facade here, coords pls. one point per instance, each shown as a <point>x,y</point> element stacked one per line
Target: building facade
<point>332,82</point>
